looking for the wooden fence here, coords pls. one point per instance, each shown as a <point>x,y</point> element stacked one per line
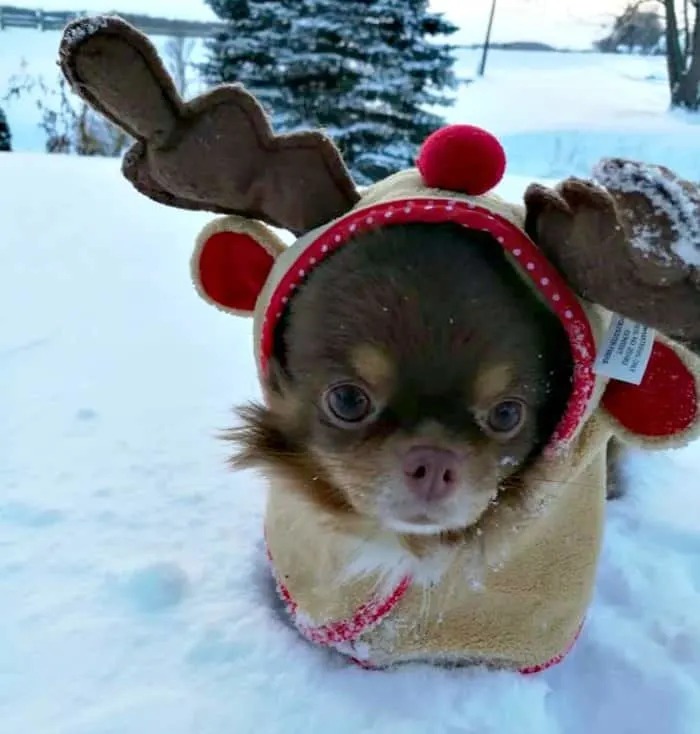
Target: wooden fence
<point>56,20</point>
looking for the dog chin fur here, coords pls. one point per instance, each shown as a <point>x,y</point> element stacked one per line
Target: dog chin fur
<point>399,548</point>
<point>410,528</point>
<point>387,557</point>
<point>457,513</point>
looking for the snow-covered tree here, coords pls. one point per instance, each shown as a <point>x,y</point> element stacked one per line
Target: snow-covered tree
<point>413,71</point>
<point>254,50</point>
<point>5,135</point>
<point>365,71</point>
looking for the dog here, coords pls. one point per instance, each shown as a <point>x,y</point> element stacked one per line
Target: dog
<point>427,386</point>
<point>418,374</point>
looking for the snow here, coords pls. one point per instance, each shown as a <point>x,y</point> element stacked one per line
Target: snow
<point>78,33</point>
<point>136,594</point>
<point>132,579</point>
<point>558,114</point>
<point>673,202</point>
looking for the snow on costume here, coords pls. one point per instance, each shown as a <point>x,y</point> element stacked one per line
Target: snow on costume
<point>607,256</point>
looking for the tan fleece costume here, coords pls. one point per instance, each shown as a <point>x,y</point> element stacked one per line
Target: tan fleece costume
<point>515,591</point>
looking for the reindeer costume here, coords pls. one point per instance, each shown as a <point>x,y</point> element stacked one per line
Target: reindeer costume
<point>514,591</point>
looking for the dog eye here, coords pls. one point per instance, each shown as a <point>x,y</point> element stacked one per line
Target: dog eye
<point>348,403</point>
<point>506,417</point>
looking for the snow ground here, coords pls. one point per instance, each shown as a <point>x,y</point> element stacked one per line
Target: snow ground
<point>132,593</point>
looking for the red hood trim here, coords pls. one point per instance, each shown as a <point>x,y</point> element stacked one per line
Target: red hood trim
<point>532,263</point>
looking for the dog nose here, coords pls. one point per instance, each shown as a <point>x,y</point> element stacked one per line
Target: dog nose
<point>431,473</point>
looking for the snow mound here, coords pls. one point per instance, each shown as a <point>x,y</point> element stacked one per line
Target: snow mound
<point>134,586</point>
<point>558,114</point>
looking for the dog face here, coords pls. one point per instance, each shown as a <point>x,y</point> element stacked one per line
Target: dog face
<point>416,372</point>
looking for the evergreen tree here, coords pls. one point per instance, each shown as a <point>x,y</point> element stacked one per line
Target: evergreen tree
<point>5,136</point>
<point>253,51</point>
<point>408,72</point>
<point>363,70</point>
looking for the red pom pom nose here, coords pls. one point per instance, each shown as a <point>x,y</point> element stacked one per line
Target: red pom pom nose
<point>462,158</point>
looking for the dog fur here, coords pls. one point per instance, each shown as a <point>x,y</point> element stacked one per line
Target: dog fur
<point>436,325</point>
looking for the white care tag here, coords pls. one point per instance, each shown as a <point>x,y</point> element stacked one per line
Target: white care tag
<point>625,352</point>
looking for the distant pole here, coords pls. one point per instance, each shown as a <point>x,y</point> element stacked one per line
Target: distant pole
<point>482,66</point>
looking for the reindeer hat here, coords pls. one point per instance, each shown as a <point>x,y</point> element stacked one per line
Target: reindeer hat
<point>217,152</point>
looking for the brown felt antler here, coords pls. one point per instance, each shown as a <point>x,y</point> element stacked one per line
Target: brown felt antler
<point>216,152</point>
<point>630,242</point>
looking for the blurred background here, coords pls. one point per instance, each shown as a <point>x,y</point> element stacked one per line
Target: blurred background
<point>562,82</point>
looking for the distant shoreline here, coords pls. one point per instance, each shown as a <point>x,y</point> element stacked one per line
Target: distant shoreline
<point>536,46</point>
<point>525,46</point>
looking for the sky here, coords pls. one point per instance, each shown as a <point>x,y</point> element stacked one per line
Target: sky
<point>569,23</point>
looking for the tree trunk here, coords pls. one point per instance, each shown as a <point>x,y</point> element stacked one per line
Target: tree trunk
<point>487,42</point>
<point>683,64</point>
<point>674,55</point>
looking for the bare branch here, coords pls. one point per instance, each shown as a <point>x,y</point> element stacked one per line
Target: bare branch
<point>68,124</point>
<point>178,53</point>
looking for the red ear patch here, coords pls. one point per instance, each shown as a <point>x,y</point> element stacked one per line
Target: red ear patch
<point>665,404</point>
<point>232,268</point>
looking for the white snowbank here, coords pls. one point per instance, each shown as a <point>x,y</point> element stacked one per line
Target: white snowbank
<point>558,114</point>
<point>132,595</point>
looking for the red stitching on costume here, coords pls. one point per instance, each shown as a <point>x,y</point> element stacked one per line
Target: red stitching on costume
<point>366,617</point>
<point>533,264</point>
<point>555,660</point>
<point>532,670</point>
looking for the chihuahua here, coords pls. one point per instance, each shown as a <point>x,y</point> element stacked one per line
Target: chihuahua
<point>416,375</point>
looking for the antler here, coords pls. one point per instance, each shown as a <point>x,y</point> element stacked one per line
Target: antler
<point>629,242</point>
<point>216,152</point>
